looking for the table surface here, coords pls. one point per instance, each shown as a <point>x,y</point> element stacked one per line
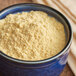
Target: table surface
<point>4,3</point>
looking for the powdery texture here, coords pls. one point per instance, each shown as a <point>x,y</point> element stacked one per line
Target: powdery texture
<point>31,36</point>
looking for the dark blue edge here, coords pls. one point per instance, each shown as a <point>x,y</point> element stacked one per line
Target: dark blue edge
<point>45,60</point>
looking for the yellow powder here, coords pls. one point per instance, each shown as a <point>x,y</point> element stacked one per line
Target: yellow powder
<point>31,36</point>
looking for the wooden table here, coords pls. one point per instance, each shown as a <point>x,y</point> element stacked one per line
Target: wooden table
<point>4,3</point>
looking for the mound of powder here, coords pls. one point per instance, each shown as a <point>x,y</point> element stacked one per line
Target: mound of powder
<point>31,36</point>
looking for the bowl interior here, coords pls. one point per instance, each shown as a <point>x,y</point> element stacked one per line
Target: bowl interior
<point>37,7</point>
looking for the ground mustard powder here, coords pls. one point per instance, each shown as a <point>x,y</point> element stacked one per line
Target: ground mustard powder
<point>31,36</point>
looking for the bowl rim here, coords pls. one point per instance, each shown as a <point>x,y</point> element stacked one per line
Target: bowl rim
<point>48,59</point>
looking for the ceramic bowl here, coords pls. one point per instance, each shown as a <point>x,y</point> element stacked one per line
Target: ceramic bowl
<point>48,67</point>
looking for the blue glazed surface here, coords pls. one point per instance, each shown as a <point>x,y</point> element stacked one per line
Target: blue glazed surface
<point>53,68</point>
<point>49,68</point>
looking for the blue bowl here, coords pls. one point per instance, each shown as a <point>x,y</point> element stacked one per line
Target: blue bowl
<point>49,67</point>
